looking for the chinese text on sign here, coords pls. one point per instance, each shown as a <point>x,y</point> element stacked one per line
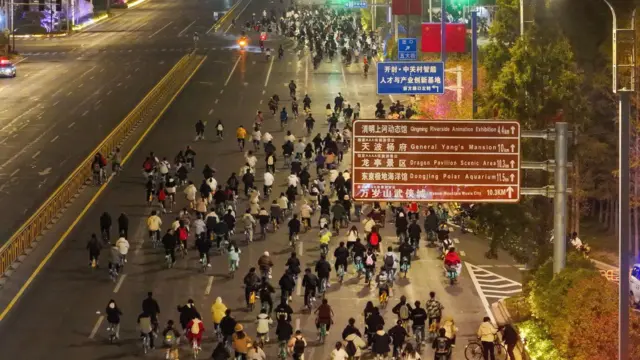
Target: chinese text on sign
<point>398,78</point>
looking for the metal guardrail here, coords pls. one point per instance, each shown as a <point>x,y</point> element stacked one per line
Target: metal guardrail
<point>49,211</point>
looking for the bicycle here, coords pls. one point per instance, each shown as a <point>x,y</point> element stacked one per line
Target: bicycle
<point>168,261</point>
<point>323,286</point>
<point>322,333</point>
<point>155,242</point>
<point>418,336</point>
<point>340,273</point>
<point>282,350</point>
<point>204,263</point>
<point>473,350</point>
<point>111,329</point>
<point>404,266</point>
<point>233,266</point>
<point>252,300</point>
<point>293,241</point>
<point>113,273</point>
<point>384,299</point>
<point>146,343</point>
<point>196,348</point>
<point>324,249</point>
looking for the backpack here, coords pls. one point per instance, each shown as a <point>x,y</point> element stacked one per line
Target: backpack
<point>161,195</point>
<point>369,260</point>
<point>389,261</point>
<point>441,345</point>
<point>374,239</point>
<point>147,165</point>
<point>350,348</point>
<point>195,328</point>
<point>169,337</point>
<point>404,312</point>
<point>298,346</point>
<point>182,234</point>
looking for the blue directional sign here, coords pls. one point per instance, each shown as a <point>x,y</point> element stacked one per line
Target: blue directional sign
<point>408,49</point>
<point>406,78</point>
<point>356,5</point>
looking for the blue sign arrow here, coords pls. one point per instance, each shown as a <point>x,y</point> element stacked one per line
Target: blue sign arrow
<point>408,49</point>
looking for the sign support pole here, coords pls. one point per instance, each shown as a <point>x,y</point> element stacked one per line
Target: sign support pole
<point>624,132</point>
<point>443,32</point>
<point>474,61</point>
<point>560,198</point>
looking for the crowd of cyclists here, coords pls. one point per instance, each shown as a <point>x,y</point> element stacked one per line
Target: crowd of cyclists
<point>317,197</point>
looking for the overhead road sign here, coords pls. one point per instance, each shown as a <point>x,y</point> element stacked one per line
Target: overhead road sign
<point>450,160</point>
<point>356,5</point>
<point>407,78</point>
<point>408,49</point>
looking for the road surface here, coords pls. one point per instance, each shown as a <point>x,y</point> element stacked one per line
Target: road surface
<point>63,309</point>
<point>71,92</point>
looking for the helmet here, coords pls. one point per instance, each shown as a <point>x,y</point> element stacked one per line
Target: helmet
<point>238,327</point>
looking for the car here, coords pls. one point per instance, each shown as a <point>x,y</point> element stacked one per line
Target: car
<point>634,285</point>
<point>7,68</point>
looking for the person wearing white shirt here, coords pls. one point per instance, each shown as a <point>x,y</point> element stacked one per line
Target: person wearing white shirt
<point>268,183</point>
<point>293,180</point>
<point>290,137</point>
<point>251,160</point>
<point>346,175</point>
<point>164,166</point>
<point>123,247</point>
<point>213,183</point>
<point>298,148</point>
<point>339,353</point>
<point>255,137</point>
<point>266,137</point>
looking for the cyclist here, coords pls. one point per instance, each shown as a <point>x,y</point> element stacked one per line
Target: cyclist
<point>183,234</point>
<point>249,223</point>
<point>251,282</point>
<point>221,352</point>
<point>309,122</point>
<point>297,344</point>
<point>418,317</point>
<point>324,316</point>
<point>452,261</point>
<point>294,107</point>
<point>170,334</point>
<point>431,224</point>
<point>369,262</point>
<point>342,257</point>
<point>401,225</point>
<point>284,312</point>
<point>390,262</point>
<point>487,334</point>
<point>263,322</point>
<point>241,133</point>
<point>310,284</point>
<point>241,342</point>
<point>222,232</point>
<point>406,250</point>
<point>218,310</point>
<point>256,135</point>
<point>452,330</point>
<point>287,284</point>
<point>153,225</point>
<point>403,310</point>
<point>292,88</point>
<point>306,102</point>
<point>442,345</point>
<point>294,228</point>
<point>219,129</point>
<point>323,269</point>
<point>233,254</point>
<point>325,237</point>
<point>227,327</point>
<point>146,327</point>
<point>284,330</point>
<point>255,352</point>
<point>434,309</point>
<point>293,265</point>
<point>268,183</point>
<point>380,342</point>
<point>195,330</point>
<point>123,247</point>
<point>265,264</point>
<point>339,215</point>
<point>94,246</point>
<point>113,317</point>
<point>354,344</point>
<point>305,213</point>
<point>188,312</point>
<point>264,293</point>
<point>398,335</point>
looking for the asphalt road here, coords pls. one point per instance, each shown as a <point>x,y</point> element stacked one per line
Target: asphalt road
<point>63,308</point>
<point>71,92</point>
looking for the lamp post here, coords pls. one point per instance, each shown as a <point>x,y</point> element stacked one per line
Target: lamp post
<point>521,17</point>
<point>624,134</point>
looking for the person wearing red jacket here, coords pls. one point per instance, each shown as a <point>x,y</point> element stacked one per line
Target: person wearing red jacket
<point>452,259</point>
<point>195,329</point>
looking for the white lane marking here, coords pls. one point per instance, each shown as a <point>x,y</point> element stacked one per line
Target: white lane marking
<point>15,172</point>
<point>162,28</point>
<point>210,111</point>
<point>85,113</point>
<point>299,248</point>
<point>221,91</point>
<point>96,327</point>
<point>56,103</point>
<point>119,284</point>
<point>263,92</point>
<point>299,286</point>
<point>261,102</point>
<point>21,60</point>
<point>55,138</point>
<point>306,74</point>
<point>456,240</point>
<point>266,81</point>
<point>88,71</point>
<point>216,101</point>
<point>297,325</point>
<point>462,253</point>
<point>17,118</point>
<point>240,13</point>
<point>36,154</point>
<point>81,85</point>
<point>231,73</point>
<point>71,125</point>
<point>69,93</point>
<point>207,290</point>
<point>186,28</point>
<point>344,77</point>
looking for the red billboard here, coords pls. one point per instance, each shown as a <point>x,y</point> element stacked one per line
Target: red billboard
<point>450,160</point>
<point>406,7</point>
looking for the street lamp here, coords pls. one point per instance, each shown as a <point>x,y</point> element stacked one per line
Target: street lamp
<point>521,17</point>
<point>624,134</point>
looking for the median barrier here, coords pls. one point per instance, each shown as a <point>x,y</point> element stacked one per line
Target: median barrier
<point>144,114</point>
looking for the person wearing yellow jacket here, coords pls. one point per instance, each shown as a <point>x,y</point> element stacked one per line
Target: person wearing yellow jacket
<point>218,310</point>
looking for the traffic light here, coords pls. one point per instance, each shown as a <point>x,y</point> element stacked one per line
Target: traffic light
<point>58,5</point>
<point>41,6</point>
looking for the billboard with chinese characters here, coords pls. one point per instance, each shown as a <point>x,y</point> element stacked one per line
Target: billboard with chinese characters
<point>441,160</point>
<point>410,77</point>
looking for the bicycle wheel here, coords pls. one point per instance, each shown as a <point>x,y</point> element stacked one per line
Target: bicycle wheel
<point>473,351</point>
<point>500,352</point>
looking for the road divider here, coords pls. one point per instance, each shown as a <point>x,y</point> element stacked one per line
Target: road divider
<point>219,22</point>
<point>145,115</point>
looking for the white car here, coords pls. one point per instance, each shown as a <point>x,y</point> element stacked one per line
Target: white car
<point>634,284</point>
<point>7,68</point>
